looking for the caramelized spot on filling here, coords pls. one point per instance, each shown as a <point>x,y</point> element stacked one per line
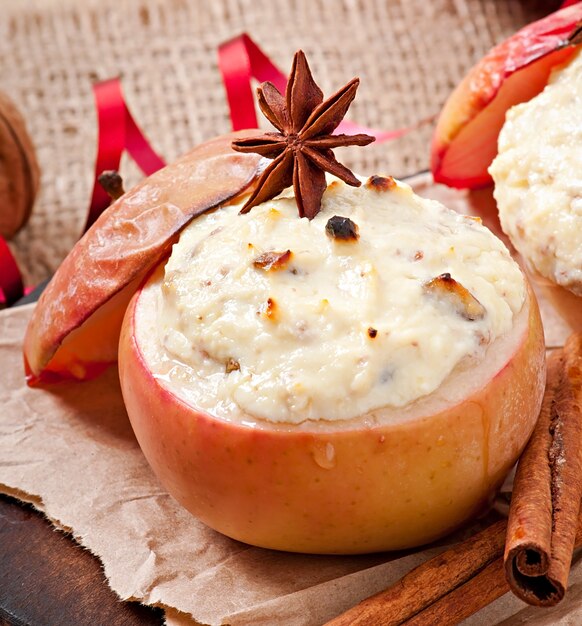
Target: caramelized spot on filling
<point>269,309</point>
<point>381,183</point>
<point>448,290</point>
<point>232,365</point>
<point>272,260</point>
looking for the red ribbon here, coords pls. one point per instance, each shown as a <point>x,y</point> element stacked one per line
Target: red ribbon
<point>11,288</point>
<point>118,131</point>
<point>240,60</point>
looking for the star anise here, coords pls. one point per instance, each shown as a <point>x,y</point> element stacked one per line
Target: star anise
<point>302,149</point>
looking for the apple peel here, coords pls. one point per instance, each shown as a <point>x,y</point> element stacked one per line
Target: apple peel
<point>74,329</point>
<point>465,139</point>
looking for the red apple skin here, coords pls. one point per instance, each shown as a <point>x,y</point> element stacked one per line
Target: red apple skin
<point>74,329</point>
<point>347,489</point>
<point>465,139</point>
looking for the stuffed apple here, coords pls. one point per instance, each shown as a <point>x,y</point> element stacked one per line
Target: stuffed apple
<point>304,391</point>
<point>515,118</point>
<point>324,363</point>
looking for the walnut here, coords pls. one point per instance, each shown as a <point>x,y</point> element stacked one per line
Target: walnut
<point>19,173</point>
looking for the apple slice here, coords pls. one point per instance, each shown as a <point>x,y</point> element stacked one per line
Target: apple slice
<point>465,139</point>
<point>409,477</point>
<point>74,330</point>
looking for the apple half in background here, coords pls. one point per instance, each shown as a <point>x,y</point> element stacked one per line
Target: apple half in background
<point>338,487</point>
<point>74,329</point>
<point>465,139</point>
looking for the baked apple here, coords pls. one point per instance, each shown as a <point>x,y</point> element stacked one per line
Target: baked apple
<point>358,377</point>
<point>357,382</point>
<point>465,139</point>
<point>538,187</point>
<point>536,171</point>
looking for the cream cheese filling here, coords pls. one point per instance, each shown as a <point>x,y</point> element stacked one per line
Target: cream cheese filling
<point>340,328</point>
<point>538,178</point>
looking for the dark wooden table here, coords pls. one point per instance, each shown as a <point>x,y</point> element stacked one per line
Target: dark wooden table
<point>47,579</point>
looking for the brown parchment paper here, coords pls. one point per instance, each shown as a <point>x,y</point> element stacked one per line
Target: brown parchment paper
<point>69,449</point>
<point>71,452</point>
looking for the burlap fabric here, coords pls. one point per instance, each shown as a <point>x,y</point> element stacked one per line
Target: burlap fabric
<point>408,53</point>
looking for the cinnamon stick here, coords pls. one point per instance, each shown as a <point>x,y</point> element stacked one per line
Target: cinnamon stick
<point>545,505</point>
<point>431,581</point>
<point>488,585</point>
<point>477,593</point>
<point>446,589</point>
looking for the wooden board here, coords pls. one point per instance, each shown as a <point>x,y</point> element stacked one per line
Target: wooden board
<point>47,579</point>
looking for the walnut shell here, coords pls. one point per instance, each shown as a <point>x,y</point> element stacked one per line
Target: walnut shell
<point>19,172</point>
